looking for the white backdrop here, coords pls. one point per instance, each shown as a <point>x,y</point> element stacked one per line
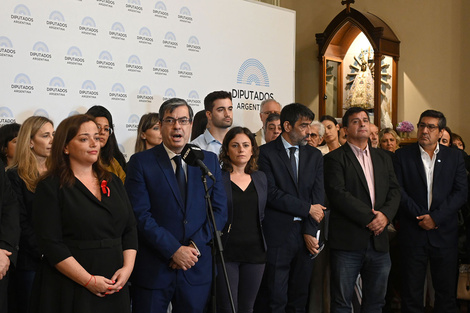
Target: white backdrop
<point>60,57</point>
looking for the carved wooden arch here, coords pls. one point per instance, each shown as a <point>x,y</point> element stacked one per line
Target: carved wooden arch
<point>338,36</point>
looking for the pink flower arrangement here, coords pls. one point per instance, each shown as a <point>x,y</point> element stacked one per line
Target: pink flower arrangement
<point>405,127</point>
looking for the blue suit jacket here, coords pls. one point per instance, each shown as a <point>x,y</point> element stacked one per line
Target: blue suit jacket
<point>287,198</point>
<point>261,186</point>
<point>449,193</point>
<point>164,223</point>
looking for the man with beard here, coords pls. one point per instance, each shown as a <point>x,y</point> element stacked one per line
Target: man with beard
<point>363,195</point>
<point>294,172</point>
<point>219,112</point>
<point>433,184</point>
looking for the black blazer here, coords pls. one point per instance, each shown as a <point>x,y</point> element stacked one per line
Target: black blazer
<point>9,217</point>
<point>287,198</point>
<point>29,256</point>
<point>449,193</point>
<point>261,186</point>
<point>349,198</point>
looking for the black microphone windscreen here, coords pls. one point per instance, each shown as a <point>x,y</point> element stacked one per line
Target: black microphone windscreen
<point>191,153</point>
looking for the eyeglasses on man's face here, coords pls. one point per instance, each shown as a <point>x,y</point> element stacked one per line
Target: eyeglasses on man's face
<point>430,127</point>
<point>172,121</point>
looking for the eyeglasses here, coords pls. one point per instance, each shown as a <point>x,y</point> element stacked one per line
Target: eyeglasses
<point>431,127</point>
<point>271,112</point>
<point>312,135</point>
<point>105,129</point>
<point>172,121</point>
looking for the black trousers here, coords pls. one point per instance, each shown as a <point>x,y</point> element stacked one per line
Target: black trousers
<point>288,271</point>
<point>443,262</point>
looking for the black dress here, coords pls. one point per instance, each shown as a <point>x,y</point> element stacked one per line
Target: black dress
<point>71,221</point>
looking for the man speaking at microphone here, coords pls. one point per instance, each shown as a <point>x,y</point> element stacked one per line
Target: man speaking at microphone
<point>174,260</point>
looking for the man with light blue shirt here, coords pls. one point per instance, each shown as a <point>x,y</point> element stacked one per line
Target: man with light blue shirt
<point>219,112</point>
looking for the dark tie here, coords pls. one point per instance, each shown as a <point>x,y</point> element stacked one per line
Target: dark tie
<point>293,163</point>
<point>180,177</point>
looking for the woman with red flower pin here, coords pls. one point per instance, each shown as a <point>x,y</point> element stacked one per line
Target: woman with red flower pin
<point>85,227</point>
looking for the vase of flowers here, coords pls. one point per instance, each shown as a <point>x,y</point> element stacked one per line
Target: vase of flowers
<point>405,128</point>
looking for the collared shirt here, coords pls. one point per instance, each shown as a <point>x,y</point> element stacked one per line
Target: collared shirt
<point>171,154</point>
<point>364,158</point>
<point>429,163</point>
<point>207,142</point>
<point>296,155</point>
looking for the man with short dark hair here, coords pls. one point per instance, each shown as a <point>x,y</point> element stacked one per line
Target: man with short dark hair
<point>174,259</point>
<point>267,107</point>
<point>433,184</point>
<point>294,172</point>
<point>364,195</point>
<point>272,127</point>
<point>219,112</point>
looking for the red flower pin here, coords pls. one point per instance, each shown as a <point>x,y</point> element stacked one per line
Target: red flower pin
<point>105,188</point>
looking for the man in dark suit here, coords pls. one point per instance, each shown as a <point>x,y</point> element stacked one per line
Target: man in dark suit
<point>174,259</point>
<point>9,234</point>
<point>294,172</point>
<point>364,195</point>
<point>433,184</point>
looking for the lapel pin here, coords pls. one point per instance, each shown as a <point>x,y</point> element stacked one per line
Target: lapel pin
<point>438,160</point>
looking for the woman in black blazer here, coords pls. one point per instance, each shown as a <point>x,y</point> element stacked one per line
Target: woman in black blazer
<point>244,244</point>
<point>33,148</point>
<point>85,228</point>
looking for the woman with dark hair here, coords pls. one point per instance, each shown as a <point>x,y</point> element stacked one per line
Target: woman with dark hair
<point>331,134</point>
<point>244,244</point>
<point>110,156</point>
<point>148,132</point>
<point>457,141</point>
<point>8,138</point>
<point>85,228</point>
<point>199,124</point>
<point>446,139</point>
<point>33,148</point>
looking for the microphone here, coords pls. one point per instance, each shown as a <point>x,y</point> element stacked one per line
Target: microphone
<point>193,156</point>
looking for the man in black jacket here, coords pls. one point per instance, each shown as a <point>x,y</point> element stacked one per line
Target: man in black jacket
<point>364,196</point>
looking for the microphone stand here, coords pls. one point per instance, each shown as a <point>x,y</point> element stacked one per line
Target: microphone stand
<point>216,246</point>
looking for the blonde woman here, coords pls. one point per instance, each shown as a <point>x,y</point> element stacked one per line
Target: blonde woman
<point>29,163</point>
<point>389,140</point>
<point>148,132</point>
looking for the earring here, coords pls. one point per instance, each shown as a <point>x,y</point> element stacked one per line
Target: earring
<point>66,152</point>
<point>31,147</point>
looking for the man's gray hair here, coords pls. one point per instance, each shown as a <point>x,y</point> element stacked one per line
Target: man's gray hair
<point>267,101</point>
